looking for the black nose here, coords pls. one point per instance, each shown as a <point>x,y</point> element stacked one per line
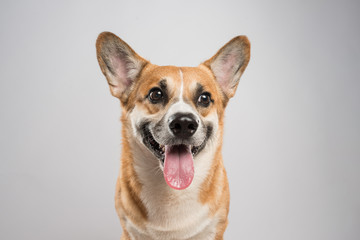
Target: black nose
<point>183,125</point>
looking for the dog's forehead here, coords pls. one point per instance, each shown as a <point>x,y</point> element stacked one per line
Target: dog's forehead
<point>177,79</point>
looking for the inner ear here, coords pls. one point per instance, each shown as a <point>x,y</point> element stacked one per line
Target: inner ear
<point>229,63</point>
<point>119,63</point>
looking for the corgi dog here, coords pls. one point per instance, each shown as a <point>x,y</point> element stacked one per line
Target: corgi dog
<point>172,182</point>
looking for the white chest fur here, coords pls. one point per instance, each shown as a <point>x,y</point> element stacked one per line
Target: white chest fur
<point>172,214</point>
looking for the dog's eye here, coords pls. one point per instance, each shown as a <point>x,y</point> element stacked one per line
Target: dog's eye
<point>155,95</point>
<point>204,99</point>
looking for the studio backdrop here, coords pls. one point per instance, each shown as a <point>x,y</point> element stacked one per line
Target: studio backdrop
<point>292,135</point>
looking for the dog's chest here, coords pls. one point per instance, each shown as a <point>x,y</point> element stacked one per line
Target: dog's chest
<point>172,214</point>
<point>175,217</point>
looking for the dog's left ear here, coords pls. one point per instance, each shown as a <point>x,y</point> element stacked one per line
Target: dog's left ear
<point>229,63</point>
<point>119,63</point>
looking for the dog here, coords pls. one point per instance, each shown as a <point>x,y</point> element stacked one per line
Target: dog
<point>172,182</point>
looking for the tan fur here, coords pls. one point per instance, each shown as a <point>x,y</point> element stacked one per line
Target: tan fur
<point>213,191</point>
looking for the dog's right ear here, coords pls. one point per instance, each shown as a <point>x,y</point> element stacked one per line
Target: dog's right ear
<point>119,63</point>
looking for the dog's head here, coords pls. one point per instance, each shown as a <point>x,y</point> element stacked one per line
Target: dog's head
<point>173,111</point>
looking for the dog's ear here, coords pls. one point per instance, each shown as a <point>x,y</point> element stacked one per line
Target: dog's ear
<point>229,63</point>
<point>119,63</point>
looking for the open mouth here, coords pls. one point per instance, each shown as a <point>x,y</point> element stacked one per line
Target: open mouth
<point>177,160</point>
<point>159,150</point>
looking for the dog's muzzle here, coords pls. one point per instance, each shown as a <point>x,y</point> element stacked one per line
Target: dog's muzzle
<point>175,142</point>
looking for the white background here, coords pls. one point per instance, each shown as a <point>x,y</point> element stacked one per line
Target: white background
<point>292,135</point>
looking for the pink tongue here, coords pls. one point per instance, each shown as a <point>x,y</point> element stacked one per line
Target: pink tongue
<point>178,166</point>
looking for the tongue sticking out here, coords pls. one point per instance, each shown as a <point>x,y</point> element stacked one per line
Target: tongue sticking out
<point>178,166</point>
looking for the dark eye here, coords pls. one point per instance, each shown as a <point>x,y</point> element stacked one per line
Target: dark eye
<point>204,99</point>
<point>155,95</point>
